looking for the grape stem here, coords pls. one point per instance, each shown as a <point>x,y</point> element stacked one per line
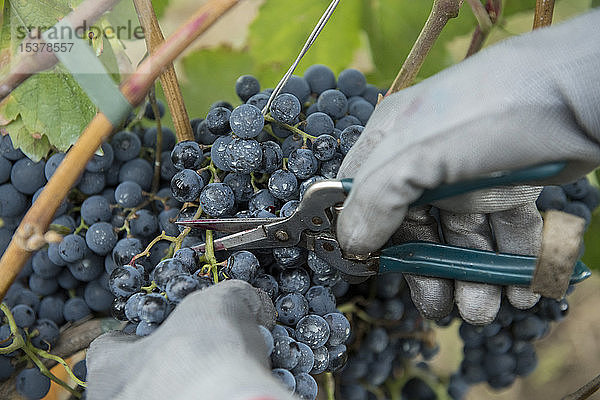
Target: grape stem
<point>492,8</point>
<point>441,12</point>
<point>159,138</point>
<point>330,386</point>
<point>134,89</point>
<point>168,79</point>
<point>543,13</point>
<point>291,128</point>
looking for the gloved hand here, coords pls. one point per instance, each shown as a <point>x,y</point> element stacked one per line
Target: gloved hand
<point>525,101</point>
<point>208,348</point>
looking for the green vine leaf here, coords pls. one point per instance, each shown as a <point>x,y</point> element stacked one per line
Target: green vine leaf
<point>275,43</point>
<point>51,106</point>
<point>49,109</point>
<point>160,6</point>
<point>201,86</point>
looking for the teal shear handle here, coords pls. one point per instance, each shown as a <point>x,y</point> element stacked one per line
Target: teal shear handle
<point>443,261</point>
<point>504,178</point>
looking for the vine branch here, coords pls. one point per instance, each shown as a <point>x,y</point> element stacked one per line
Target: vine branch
<point>543,13</point>
<point>493,8</point>
<point>29,63</point>
<point>441,12</point>
<point>168,78</point>
<point>134,89</point>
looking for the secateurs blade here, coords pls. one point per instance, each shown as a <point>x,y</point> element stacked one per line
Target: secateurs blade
<point>312,226</point>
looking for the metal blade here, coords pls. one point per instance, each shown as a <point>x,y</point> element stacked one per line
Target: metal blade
<point>231,225</point>
<point>251,239</point>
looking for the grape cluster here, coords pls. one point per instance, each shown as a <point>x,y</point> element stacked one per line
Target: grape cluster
<point>123,254</point>
<point>578,198</point>
<point>109,216</point>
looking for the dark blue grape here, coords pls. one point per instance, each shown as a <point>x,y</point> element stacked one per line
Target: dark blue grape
<point>285,108</point>
<point>76,309</point>
<point>551,198</point>
<point>132,307</point>
<point>66,280</point>
<point>241,186</point>
<point>95,209</point>
<point>31,384</point>
<point>291,143</point>
<point>282,184</point>
<point>242,265</point>
<point>166,223</point>
<point>333,103</point>
<point>101,162</point>
<point>268,284</point>
<point>217,152</point>
<point>153,308</point>
<point>28,176</point>
<point>298,86</point>
<point>324,147</point>
<point>262,200</point>
<point>42,286</point>
<point>7,150</point>
<point>180,286</point>
<point>330,168</point>
<point>294,280</point>
<point>97,297</point>
<point>217,120</point>
<point>337,357</point>
<point>312,330</point>
<point>125,249</point>
<point>320,78</point>
<point>362,110</point>
<point>80,370</point>
<point>246,86</point>
<point>92,182</point>
<point>286,352</point>
<point>530,328</point>
<point>144,223</point>
<point>286,378</point>
<point>137,170</point>
<point>125,280</point>
<point>165,270</point>
<point>306,360</point>
<point>339,328</point>
<point>303,163</point>
<point>345,122</point>
<point>246,121</point>
<point>243,155</point>
<point>168,138</point>
<point>145,328</point>
<point>203,135</point>
<point>88,268</point>
<point>52,164</point>
<point>12,202</point>
<point>575,190</point>
<point>371,94</point>
<point>348,137</point>
<point>321,355</point>
<point>187,155</point>
<point>259,100</point>
<point>186,185</point>
<point>289,208</point>
<point>306,386</point>
<point>289,257</point>
<point>268,339</point>
<point>126,145</point>
<point>47,336</point>
<point>351,82</point>
<point>128,194</point>
<point>291,308</point>
<point>6,368</point>
<point>51,307</point>
<point>43,266</point>
<point>24,315</point>
<point>217,199</point>
<point>321,300</point>
<point>416,388</point>
<point>579,209</point>
<point>272,157</point>
<point>72,248</point>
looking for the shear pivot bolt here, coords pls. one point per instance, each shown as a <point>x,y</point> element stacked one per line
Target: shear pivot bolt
<point>317,220</point>
<point>282,236</point>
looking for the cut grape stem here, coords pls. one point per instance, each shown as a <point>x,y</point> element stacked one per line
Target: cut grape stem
<point>134,89</point>
<point>168,79</point>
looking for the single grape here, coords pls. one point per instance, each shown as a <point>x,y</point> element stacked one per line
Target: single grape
<point>282,184</point>
<point>149,110</point>
<point>298,86</point>
<point>303,163</point>
<point>242,265</point>
<point>95,209</point>
<point>186,185</point>
<point>126,145</point>
<point>76,309</point>
<point>246,121</point>
<point>333,103</point>
<point>128,194</point>
<point>31,384</point>
<point>324,147</point>
<point>291,308</point>
<point>187,155</point>
<point>243,155</point>
<point>217,199</point>
<point>286,352</point>
<point>286,378</point>
<point>217,120</point>
<point>348,137</point>
<point>246,86</point>
<point>285,108</point>
<point>320,78</point>
<point>351,82</point>
<point>28,176</point>
<point>180,286</point>
<point>125,280</point>
<point>339,328</point>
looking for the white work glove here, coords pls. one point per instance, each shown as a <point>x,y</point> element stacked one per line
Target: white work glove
<point>208,348</point>
<point>528,100</point>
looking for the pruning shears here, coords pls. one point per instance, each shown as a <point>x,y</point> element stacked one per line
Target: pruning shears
<point>312,226</point>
